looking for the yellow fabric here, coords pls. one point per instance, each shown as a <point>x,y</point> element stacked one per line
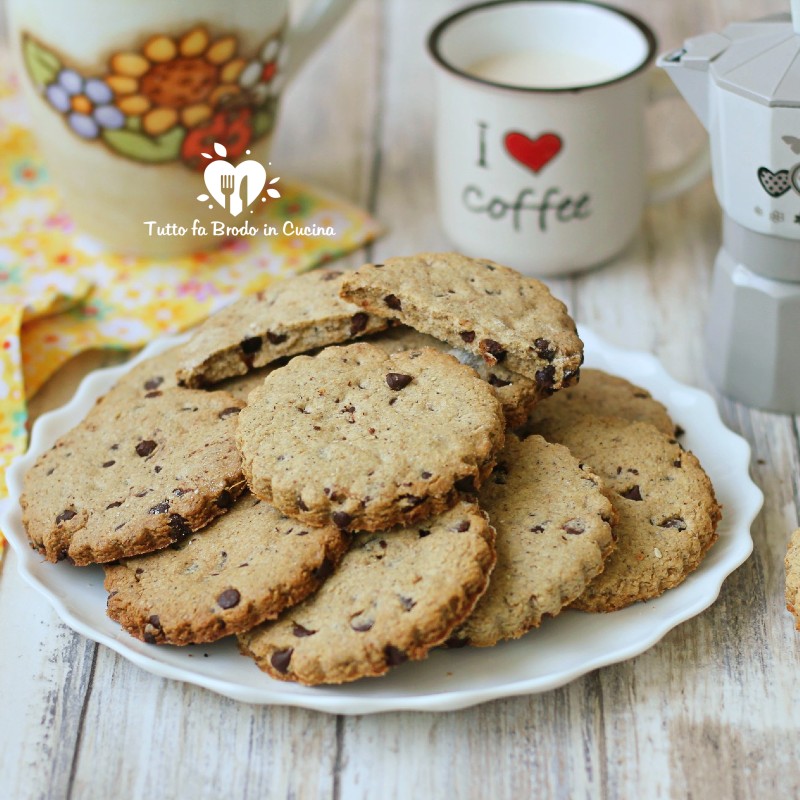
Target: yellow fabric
<point>62,293</point>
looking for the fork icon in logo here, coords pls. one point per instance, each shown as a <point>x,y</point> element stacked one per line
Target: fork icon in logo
<point>226,188</point>
<point>235,188</point>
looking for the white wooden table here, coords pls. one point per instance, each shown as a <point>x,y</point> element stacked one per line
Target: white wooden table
<point>711,711</point>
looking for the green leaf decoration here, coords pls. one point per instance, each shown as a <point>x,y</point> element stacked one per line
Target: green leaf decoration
<point>43,66</point>
<point>263,120</point>
<point>141,147</point>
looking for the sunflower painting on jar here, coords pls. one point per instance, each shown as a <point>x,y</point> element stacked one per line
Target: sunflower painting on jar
<point>168,100</point>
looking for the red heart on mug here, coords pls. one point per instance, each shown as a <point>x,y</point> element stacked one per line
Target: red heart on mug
<point>535,154</point>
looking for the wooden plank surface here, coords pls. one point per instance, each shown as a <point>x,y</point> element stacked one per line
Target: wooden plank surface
<point>711,711</point>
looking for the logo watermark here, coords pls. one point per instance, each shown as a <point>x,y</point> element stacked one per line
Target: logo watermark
<point>234,189</point>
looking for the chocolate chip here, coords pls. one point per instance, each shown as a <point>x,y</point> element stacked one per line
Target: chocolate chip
<point>677,463</point>
<point>301,505</point>
<point>410,501</point>
<point>300,632</point>
<point>362,626</point>
<point>358,322</point>
<point>179,527</point>
<point>500,474</point>
<point>498,382</point>
<point>157,469</point>
<point>537,529</point>
<point>468,336</point>
<point>149,638</point>
<point>116,504</point>
<point>466,484</point>
<point>161,508</point>
<point>150,395</point>
<point>570,376</point>
<point>632,494</point>
<point>114,447</point>
<point>397,380</point>
<point>229,599</point>
<point>251,345</point>
<point>423,533</point>
<point>341,519</point>
<point>493,348</point>
<point>544,349</point>
<point>425,475</point>
<point>393,302</point>
<point>227,412</point>
<point>225,499</point>
<point>454,643</point>
<point>144,448</point>
<point>109,463</point>
<point>546,377</point>
<point>574,526</point>
<point>280,659</point>
<point>153,383</point>
<point>155,621</point>
<point>277,338</point>
<point>65,515</point>
<point>324,570</point>
<point>406,602</point>
<point>674,522</point>
<point>463,526</point>
<point>679,431</point>
<point>394,655</point>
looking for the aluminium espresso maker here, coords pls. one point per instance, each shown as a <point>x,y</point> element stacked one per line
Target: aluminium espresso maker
<point>744,85</point>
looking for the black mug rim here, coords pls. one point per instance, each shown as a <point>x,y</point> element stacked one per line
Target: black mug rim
<point>435,36</point>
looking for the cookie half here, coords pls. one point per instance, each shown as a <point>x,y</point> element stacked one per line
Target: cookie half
<point>244,568</point>
<point>394,596</point>
<point>296,315</point>
<point>516,393</point>
<point>140,472</point>
<point>483,307</point>
<point>604,395</point>
<point>367,440</point>
<point>665,503</point>
<point>792,564</point>
<point>553,526</point>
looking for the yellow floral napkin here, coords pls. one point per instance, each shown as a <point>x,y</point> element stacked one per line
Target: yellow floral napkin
<point>62,293</point>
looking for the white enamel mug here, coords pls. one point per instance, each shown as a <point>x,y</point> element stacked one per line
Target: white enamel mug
<point>126,97</point>
<point>550,179</point>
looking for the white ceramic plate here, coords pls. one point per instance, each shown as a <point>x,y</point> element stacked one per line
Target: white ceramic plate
<point>558,652</point>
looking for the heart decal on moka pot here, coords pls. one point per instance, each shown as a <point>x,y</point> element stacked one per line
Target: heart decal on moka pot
<point>744,85</point>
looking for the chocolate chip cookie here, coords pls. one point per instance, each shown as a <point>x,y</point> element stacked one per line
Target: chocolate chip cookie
<point>294,316</point>
<point>664,501</point>
<point>368,440</point>
<point>394,596</point>
<point>553,526</point>
<point>792,564</point>
<point>485,308</point>
<point>516,393</point>
<point>244,568</point>
<point>140,472</point>
<point>153,374</point>
<point>605,395</point>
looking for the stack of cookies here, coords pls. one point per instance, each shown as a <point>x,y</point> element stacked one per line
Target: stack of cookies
<point>351,469</point>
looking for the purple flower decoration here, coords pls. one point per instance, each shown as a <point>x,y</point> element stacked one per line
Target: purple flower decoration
<point>87,103</point>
